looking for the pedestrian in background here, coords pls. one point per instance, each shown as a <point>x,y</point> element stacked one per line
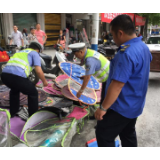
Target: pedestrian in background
<point>17,37</point>
<point>126,86</point>
<point>41,35</point>
<point>106,36</point>
<point>25,37</point>
<point>61,39</point>
<point>138,33</point>
<point>32,36</point>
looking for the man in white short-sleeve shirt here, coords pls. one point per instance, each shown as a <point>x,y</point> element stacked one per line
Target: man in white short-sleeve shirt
<point>17,37</point>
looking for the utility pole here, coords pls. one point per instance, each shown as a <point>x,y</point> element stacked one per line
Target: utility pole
<point>95,31</point>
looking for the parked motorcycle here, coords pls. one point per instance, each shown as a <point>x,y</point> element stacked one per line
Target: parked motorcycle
<point>50,66</point>
<point>108,49</point>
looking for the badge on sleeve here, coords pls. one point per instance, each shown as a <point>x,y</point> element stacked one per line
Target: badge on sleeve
<point>96,55</point>
<point>87,67</point>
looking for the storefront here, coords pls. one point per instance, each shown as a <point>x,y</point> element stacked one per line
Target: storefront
<point>24,20</point>
<point>68,20</point>
<point>52,27</point>
<point>81,24</point>
<point>51,23</point>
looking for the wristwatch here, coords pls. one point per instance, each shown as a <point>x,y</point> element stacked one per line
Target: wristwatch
<point>101,108</point>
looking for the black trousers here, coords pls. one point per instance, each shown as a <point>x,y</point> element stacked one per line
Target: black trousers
<point>19,84</point>
<point>103,92</point>
<point>112,125</point>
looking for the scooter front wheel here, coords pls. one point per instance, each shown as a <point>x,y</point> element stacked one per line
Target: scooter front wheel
<point>33,77</point>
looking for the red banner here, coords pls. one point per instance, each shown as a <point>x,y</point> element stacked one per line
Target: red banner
<point>139,21</point>
<point>108,17</point>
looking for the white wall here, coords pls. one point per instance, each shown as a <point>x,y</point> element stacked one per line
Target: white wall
<point>80,16</point>
<point>41,20</point>
<point>63,21</point>
<point>74,20</point>
<point>8,25</point>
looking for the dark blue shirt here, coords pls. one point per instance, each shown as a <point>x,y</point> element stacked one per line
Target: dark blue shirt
<point>131,67</point>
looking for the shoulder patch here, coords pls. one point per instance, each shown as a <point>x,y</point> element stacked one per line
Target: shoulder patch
<point>124,47</point>
<point>87,67</point>
<point>96,54</point>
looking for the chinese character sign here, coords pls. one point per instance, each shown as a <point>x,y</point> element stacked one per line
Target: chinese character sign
<point>139,21</point>
<point>108,17</point>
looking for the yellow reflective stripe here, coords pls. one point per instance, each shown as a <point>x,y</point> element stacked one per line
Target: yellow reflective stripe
<point>19,60</point>
<point>102,69</point>
<point>103,77</point>
<point>24,66</point>
<point>21,66</point>
<point>104,72</point>
<point>104,80</point>
<point>16,65</point>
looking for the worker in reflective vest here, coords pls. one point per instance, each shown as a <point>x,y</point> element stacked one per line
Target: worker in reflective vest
<point>95,64</point>
<point>15,76</point>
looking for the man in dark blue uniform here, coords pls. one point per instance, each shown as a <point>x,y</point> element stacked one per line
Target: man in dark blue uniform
<point>126,86</point>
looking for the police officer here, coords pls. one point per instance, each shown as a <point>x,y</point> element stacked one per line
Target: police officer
<point>15,76</point>
<point>95,63</point>
<point>126,86</point>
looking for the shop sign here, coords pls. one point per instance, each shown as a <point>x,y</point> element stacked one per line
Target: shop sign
<point>108,17</point>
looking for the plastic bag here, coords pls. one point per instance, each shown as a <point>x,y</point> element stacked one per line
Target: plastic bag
<point>4,56</point>
<point>50,133</point>
<point>5,138</point>
<point>67,140</point>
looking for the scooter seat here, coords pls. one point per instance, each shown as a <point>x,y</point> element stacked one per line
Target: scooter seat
<point>44,56</point>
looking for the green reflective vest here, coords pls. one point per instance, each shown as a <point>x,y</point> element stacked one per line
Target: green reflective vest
<point>103,73</point>
<point>20,59</point>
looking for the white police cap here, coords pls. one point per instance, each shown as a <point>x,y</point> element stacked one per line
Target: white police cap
<point>76,46</point>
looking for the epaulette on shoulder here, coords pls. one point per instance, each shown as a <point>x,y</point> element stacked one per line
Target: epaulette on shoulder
<point>124,47</point>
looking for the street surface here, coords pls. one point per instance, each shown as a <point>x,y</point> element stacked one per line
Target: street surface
<point>148,124</point>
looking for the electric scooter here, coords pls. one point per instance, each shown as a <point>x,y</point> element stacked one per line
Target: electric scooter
<point>108,49</point>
